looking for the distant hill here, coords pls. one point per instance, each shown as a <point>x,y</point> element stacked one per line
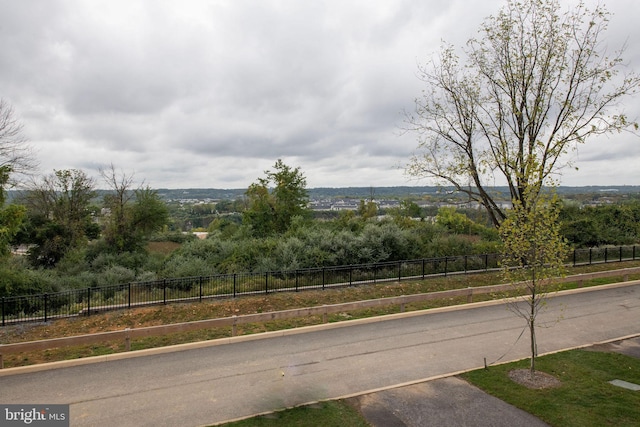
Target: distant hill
<point>376,192</point>
<point>359,192</point>
<point>314,193</point>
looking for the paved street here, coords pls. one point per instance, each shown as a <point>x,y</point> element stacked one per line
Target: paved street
<point>207,385</point>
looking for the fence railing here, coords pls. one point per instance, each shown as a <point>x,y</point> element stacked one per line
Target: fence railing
<point>45,307</point>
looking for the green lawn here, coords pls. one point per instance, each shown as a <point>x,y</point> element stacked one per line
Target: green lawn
<point>585,397</point>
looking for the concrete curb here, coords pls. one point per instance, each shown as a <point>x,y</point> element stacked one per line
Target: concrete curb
<point>287,332</point>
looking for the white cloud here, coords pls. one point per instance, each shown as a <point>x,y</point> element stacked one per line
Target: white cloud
<point>211,93</point>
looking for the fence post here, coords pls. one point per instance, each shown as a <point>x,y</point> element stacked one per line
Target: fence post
<point>399,271</point>
<point>634,252</point>
<point>234,284</point>
<point>590,255</point>
<point>46,298</point>
<point>3,309</point>
<point>296,276</point>
<point>266,282</point>
<point>129,303</point>
<point>574,257</point>
<point>201,279</point>
<point>127,339</point>
<point>323,278</point>
<point>486,262</point>
<point>164,291</point>
<point>89,301</point>
<point>423,267</point>
<point>620,253</point>
<point>606,252</point>
<point>446,266</point>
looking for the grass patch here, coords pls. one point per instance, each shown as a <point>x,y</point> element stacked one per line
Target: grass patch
<point>326,414</point>
<point>585,397</point>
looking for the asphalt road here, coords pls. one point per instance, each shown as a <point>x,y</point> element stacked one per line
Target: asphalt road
<point>207,385</point>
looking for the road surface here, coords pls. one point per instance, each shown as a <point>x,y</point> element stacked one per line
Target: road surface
<point>203,386</point>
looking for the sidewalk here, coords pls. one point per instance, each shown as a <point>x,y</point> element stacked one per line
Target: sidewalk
<point>444,402</point>
<point>454,402</point>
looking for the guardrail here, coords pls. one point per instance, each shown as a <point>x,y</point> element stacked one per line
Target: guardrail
<point>128,334</point>
<point>45,307</point>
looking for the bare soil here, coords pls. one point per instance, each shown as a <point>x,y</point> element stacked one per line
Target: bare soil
<point>539,380</point>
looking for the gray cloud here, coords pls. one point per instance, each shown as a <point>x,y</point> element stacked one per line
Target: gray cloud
<point>211,93</point>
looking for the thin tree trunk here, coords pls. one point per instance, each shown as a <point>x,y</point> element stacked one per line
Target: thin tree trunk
<point>532,322</point>
<point>532,329</point>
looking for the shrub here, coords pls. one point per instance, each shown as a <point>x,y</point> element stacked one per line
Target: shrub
<point>114,275</point>
<point>185,266</point>
<point>15,280</point>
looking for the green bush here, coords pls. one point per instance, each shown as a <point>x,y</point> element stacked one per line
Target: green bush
<point>185,266</point>
<point>73,263</point>
<point>114,275</point>
<point>449,245</point>
<point>17,280</point>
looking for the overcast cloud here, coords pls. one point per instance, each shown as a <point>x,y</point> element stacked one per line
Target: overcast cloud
<point>212,93</point>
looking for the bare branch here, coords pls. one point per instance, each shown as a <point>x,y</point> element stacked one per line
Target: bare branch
<point>15,153</point>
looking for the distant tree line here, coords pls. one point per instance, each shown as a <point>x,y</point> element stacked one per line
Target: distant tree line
<point>611,224</point>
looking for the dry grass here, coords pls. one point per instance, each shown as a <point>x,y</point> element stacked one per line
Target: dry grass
<point>163,248</point>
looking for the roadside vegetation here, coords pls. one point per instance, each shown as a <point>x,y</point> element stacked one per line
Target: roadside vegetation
<point>186,312</point>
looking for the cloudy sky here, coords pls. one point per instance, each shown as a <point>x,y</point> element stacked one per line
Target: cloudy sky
<point>211,93</point>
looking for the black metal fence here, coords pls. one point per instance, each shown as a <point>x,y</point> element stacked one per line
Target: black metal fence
<point>44,307</point>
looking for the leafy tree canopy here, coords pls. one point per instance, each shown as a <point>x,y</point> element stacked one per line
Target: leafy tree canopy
<point>276,199</point>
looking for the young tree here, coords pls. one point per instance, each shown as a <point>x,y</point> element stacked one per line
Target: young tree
<point>272,209</point>
<point>115,229</point>
<point>535,85</point>
<point>410,209</point>
<point>367,209</point>
<point>149,212</point>
<point>533,254</point>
